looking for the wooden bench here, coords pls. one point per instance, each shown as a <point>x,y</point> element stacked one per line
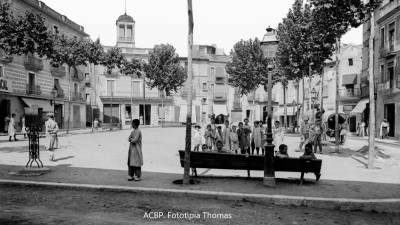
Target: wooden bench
<point>213,160</point>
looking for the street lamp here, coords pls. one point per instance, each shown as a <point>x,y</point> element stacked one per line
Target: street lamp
<point>314,96</point>
<point>269,45</point>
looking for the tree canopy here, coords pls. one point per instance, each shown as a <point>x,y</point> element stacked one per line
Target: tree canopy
<point>248,68</point>
<point>164,70</point>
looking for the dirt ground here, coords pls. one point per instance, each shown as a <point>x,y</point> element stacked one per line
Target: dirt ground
<point>33,205</point>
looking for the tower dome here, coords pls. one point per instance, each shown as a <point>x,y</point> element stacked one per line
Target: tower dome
<point>125,18</point>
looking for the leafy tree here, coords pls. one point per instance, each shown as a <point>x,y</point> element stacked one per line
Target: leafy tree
<point>163,69</point>
<point>112,59</point>
<point>24,34</point>
<point>95,51</point>
<point>134,67</point>
<point>248,68</point>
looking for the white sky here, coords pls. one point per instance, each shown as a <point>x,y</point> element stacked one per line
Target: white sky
<point>221,22</point>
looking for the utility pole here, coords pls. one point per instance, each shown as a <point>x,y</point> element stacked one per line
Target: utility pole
<point>188,144</point>
<point>337,130</point>
<point>371,126</point>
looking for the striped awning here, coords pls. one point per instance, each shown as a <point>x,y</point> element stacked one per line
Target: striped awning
<point>349,79</point>
<point>360,107</point>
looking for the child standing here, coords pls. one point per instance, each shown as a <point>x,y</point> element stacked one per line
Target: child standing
<point>209,135</point>
<point>256,138</point>
<point>226,136</point>
<point>197,138</point>
<point>218,135</point>
<point>234,140</point>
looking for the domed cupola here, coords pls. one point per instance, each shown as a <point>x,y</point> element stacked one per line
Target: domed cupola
<point>125,31</point>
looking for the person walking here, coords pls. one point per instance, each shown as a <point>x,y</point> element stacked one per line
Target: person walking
<point>384,129</point>
<point>278,134</point>
<point>51,130</point>
<point>11,128</point>
<point>362,129</point>
<point>135,156</point>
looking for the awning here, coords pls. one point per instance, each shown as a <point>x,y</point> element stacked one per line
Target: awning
<point>220,109</point>
<point>349,79</point>
<point>360,107</point>
<point>35,104</point>
<point>280,111</point>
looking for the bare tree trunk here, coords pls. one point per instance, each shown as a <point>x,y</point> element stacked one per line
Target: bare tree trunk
<point>371,126</point>
<point>321,98</point>
<point>337,130</point>
<point>188,144</point>
<point>304,102</point>
<point>310,105</point>
<point>69,99</point>
<point>285,120</point>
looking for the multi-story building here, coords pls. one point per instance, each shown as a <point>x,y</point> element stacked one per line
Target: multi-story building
<point>118,98</point>
<point>210,88</point>
<point>386,64</point>
<point>32,86</point>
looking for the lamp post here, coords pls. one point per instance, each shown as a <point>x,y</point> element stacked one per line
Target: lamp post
<point>269,45</point>
<point>313,98</point>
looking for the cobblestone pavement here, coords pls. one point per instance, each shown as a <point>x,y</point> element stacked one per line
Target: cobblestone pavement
<point>108,150</point>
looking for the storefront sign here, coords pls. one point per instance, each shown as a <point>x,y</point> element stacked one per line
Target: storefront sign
<point>5,85</point>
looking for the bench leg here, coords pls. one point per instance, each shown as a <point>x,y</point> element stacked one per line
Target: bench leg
<point>248,173</point>
<point>317,176</point>
<point>301,178</point>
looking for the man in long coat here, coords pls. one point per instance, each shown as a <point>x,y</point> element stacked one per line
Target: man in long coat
<point>135,156</point>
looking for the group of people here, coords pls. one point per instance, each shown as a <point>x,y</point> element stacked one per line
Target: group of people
<point>243,138</point>
<point>11,127</point>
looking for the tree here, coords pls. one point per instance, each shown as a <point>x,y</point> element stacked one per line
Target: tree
<point>188,143</point>
<point>113,59</point>
<point>24,34</point>
<point>248,67</point>
<point>334,18</point>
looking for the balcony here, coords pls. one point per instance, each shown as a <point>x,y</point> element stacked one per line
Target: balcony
<point>33,89</point>
<point>219,98</point>
<point>349,94</point>
<point>33,63</point>
<point>77,96</point>
<point>4,58</point>
<point>60,93</point>
<point>220,80</point>
<point>57,70</point>
<point>125,39</point>
<point>87,81</point>
<point>386,52</point>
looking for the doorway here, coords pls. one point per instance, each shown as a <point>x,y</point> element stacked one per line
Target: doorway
<point>145,114</point>
<point>58,116</point>
<point>390,116</point>
<point>4,112</point>
<point>353,124</point>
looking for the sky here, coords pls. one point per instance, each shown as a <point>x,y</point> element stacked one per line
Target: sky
<point>220,22</point>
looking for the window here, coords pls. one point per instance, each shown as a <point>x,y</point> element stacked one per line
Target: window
<point>382,37</point>
<point>205,87</point>
<point>391,36</point>
<point>129,32</point>
<point>390,74</point>
<point>110,87</point>
<point>75,89</point>
<point>55,29</point>
<point>1,71</point>
<point>350,61</point>
<point>87,99</point>
<point>136,89</point>
<point>56,83</point>
<point>212,73</point>
<point>382,72</point>
<point>128,112</point>
<point>87,76</point>
<point>121,31</point>
<point>31,79</point>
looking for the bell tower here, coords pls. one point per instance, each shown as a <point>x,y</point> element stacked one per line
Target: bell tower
<point>125,31</point>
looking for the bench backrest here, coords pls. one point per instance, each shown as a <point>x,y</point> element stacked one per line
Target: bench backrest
<point>253,162</point>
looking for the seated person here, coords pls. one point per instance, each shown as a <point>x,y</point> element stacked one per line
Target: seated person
<point>282,151</point>
<point>204,148</point>
<point>308,153</point>
<point>220,148</point>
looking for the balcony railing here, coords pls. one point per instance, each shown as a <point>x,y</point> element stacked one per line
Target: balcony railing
<point>218,98</point>
<point>33,63</point>
<point>77,96</point>
<point>58,71</point>
<point>220,80</point>
<point>126,39</point>
<point>4,58</point>
<point>386,52</point>
<point>33,89</point>
<point>355,92</point>
<point>60,93</point>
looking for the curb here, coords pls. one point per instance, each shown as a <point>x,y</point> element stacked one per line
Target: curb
<point>390,205</point>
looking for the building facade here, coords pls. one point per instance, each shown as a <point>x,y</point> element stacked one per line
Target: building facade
<point>386,65</point>
<point>33,87</point>
<point>210,86</point>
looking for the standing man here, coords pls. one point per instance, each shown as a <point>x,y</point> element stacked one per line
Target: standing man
<point>317,130</point>
<point>11,128</point>
<point>244,143</point>
<point>51,130</point>
<point>304,132</point>
<point>135,155</point>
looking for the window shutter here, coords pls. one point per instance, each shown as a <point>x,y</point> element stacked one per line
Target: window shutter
<point>398,30</point>
<point>397,71</point>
